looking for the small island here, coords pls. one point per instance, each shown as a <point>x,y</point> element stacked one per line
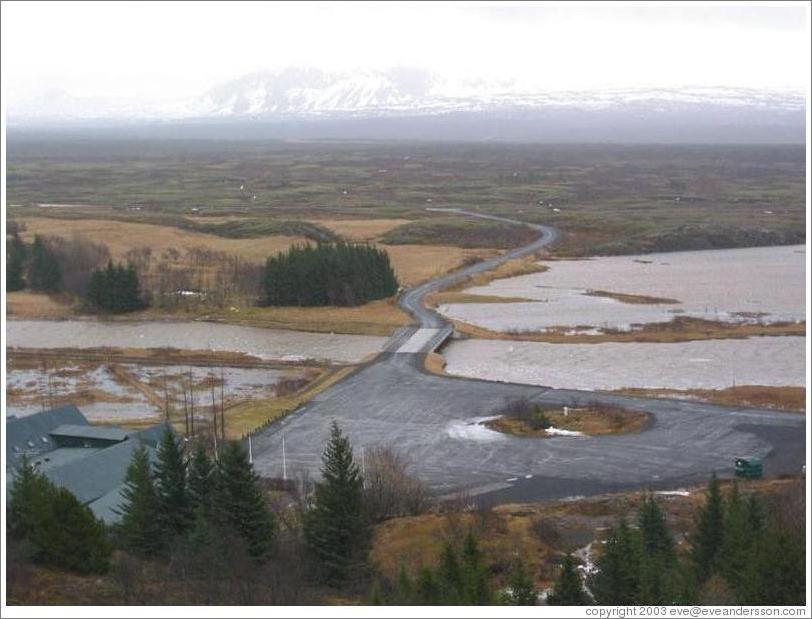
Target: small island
<point>527,419</point>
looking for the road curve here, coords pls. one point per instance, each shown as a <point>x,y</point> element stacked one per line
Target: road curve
<point>411,300</point>
<point>435,422</point>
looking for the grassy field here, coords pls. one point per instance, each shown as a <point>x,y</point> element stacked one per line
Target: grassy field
<point>606,198</point>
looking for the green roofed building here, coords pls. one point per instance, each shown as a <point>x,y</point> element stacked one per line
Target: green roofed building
<point>88,460</point>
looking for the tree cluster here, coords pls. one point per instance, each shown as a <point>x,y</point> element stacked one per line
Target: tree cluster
<point>736,556</point>
<point>198,499</point>
<point>342,274</point>
<point>57,529</point>
<point>36,267</point>
<point>115,289</point>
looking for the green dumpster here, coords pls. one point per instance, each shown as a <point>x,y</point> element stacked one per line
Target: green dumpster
<point>749,468</point>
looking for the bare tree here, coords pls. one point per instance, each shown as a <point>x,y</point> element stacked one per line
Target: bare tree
<point>389,489</point>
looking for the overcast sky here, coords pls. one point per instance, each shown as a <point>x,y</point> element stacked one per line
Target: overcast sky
<point>158,51</point>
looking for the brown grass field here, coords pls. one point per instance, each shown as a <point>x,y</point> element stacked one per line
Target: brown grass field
<point>681,329</point>
<point>780,398</point>
<point>361,229</point>
<point>374,318</point>
<point>412,264</point>
<point>121,237</point>
<point>24,304</point>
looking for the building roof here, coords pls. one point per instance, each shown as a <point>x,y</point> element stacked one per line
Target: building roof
<point>104,433</point>
<point>107,506</point>
<point>97,474</point>
<point>30,434</point>
<point>60,457</point>
<point>152,436</point>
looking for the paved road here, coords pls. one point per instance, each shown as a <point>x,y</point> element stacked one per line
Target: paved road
<point>433,421</point>
<point>412,299</point>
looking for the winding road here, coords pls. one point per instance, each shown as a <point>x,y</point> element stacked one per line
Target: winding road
<point>435,422</point>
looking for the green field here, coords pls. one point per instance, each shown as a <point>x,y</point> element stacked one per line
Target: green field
<point>609,198</point>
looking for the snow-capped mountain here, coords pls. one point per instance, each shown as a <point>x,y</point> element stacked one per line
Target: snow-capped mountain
<point>297,92</point>
<point>404,93</point>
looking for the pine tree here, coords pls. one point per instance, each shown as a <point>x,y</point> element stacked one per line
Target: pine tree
<point>60,530</point>
<point>241,499</point>
<point>328,274</point>
<point>404,588</point>
<point>568,590</point>
<point>450,575</point>
<point>616,581</point>
<point>336,529</point>
<point>522,590</point>
<point>776,574</point>
<point>658,560</point>
<point>427,588</point>
<point>115,288</point>
<point>170,476</point>
<point>709,532</point>
<point>201,478</point>
<point>44,273</point>
<point>15,264</point>
<point>69,536</point>
<point>657,539</point>
<point>27,496</point>
<point>141,527</point>
<point>475,579</point>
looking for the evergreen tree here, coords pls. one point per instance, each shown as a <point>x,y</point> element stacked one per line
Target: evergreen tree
<point>656,537</point>
<point>15,264</point>
<point>44,272</point>
<point>115,288</point>
<point>336,529</point>
<point>568,590</point>
<point>329,274</point>
<point>241,499</point>
<point>737,548</point>
<point>27,497</point>
<point>427,589</point>
<point>141,527</point>
<point>475,579</point>
<point>709,532</point>
<point>450,575</point>
<point>201,478</point>
<point>376,594</point>
<point>776,573</point>
<point>170,476</point>
<point>404,588</point>
<point>658,560</point>
<point>617,581</point>
<point>69,536</point>
<point>522,590</point>
<point>61,531</point>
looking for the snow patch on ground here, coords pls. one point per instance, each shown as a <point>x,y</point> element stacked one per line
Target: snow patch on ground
<point>474,429</point>
<point>560,432</point>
